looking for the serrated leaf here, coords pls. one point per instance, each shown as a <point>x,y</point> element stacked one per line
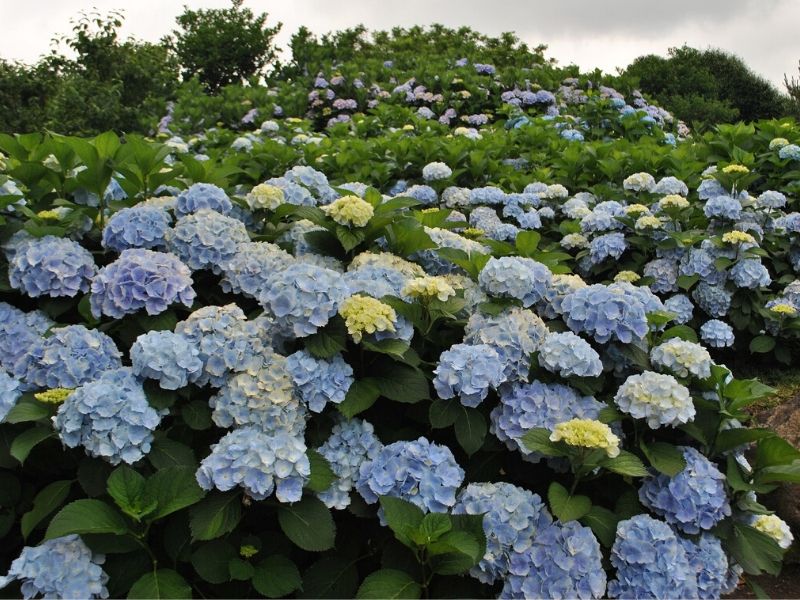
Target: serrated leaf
<point>564,506</point>
<point>164,583</point>
<point>322,476</point>
<point>211,560</point>
<point>389,583</point>
<point>603,524</point>
<point>215,516</point>
<point>308,524</point>
<point>762,344</point>
<point>174,488</point>
<point>443,413</point>
<point>127,488</point>
<point>361,395</point>
<point>330,577</point>
<point>538,440</point>
<point>45,502</point>
<point>197,415</point>
<point>169,453</point>
<point>470,429</point>
<point>625,464</point>
<point>27,410</point>
<point>329,341</point>
<point>86,516</point>
<point>665,458</point>
<point>402,517</point>
<point>399,382</point>
<point>276,576</point>
<point>27,440</point>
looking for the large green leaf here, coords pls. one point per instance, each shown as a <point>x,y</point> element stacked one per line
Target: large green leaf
<point>276,576</point>
<point>164,583</point>
<point>565,506</point>
<point>215,516</point>
<point>389,583</point>
<point>330,577</point>
<point>45,502</point>
<point>470,429</point>
<point>27,440</point>
<point>402,517</point>
<point>665,458</point>
<point>322,476</point>
<point>211,560</point>
<point>86,516</point>
<point>361,395</point>
<point>174,488</point>
<point>308,524</point>
<point>127,488</point>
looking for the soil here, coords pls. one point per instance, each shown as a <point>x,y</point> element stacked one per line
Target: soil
<point>786,585</point>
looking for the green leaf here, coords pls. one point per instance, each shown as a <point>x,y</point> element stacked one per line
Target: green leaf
<point>361,395</point>
<point>308,524</point>
<point>538,440</point>
<point>330,577</point>
<point>744,392</point>
<point>683,332</point>
<point>164,583</point>
<point>27,440</point>
<point>402,517</point>
<point>732,438</point>
<point>211,560</point>
<point>609,414</point>
<point>391,347</point>
<point>762,343</point>
<point>240,569</point>
<point>27,410</point>
<point>443,413</point>
<point>322,476</point>
<point>755,551</point>
<point>625,464</point>
<point>127,488</point>
<point>174,488</point>
<point>665,458</point>
<point>401,383</point>
<point>216,515</point>
<point>775,451</point>
<point>169,453</point>
<point>685,282</point>
<point>527,242</point>
<point>86,516</point>
<point>45,502</point>
<point>433,526</point>
<point>470,429</point>
<point>329,341</point>
<point>197,415</point>
<point>276,576</point>
<point>564,506</point>
<point>157,397</point>
<point>389,583</point>
<point>349,238</point>
<point>603,524</point>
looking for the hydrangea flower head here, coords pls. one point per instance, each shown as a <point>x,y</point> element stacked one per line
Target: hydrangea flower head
<point>682,358</point>
<point>249,269</point>
<point>265,197</point>
<point>587,433</point>
<point>50,266</point>
<point>717,334</point>
<point>206,239</point>
<point>776,528</point>
<point>609,245</point>
<point>673,201</point>
<point>9,393</point>
<point>468,371</point>
<point>436,171</point>
<point>350,210</point>
<point>363,314</point>
<point>428,287</point>
<point>738,237</point>
<point>723,207</point>
<point>681,307</point>
<point>606,313</point>
<point>789,152</point>
<point>319,381</point>
<point>750,273</point>
<point>166,357</point>
<point>143,226</point>
<point>514,277</point>
<point>715,300</point>
<point>569,355</point>
<point>201,196</point>
<point>639,182</point>
<point>658,398</point>
<point>706,557</point>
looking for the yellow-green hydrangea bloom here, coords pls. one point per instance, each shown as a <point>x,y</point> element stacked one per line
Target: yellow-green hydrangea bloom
<point>54,396</point>
<point>265,196</point>
<point>363,314</point>
<point>429,287</point>
<point>738,237</point>
<point>587,433</point>
<point>628,276</point>
<point>350,210</point>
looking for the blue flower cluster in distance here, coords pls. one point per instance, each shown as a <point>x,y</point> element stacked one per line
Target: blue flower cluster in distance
<point>511,276</point>
<point>201,196</point>
<point>605,313</point>
<point>51,266</point>
<point>319,381</point>
<point>468,371</point>
<point>141,226</point>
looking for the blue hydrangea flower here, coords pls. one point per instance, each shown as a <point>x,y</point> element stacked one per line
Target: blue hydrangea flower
<point>610,245</point>
<point>303,297</point>
<point>750,273</point>
<point>141,279</point>
<point>69,357</point>
<point>19,332</point>
<point>771,199</point>
<point>723,207</point>
<point>424,193</point>
<point>488,195</point>
<point>715,300</point>
<point>9,393</point>
<point>143,226</point>
<point>681,307</point>
<point>599,221</point>
<point>293,193</point>
<point>656,397</point>
<point>169,358</point>
<point>710,188</point>
<point>700,262</point>
<point>202,196</point>
<point>468,371</point>
<point>420,472</point>
<point>565,561</point>
<point>706,557</point>
<point>62,567</point>
<point>314,180</point>
<point>529,219</point>
<point>568,355</point>
<point>512,518</point>
<point>110,417</point>
<point>526,406</point>
<point>436,171</point>
<point>51,266</point>
<point>514,334</point>
<point>351,443</point>
<point>664,273</point>
<point>717,334</point>
<point>206,239</point>
<point>319,381</point>
<point>511,276</point>
<point>682,357</point>
<point>671,185</point>
<point>376,280</point>
<point>605,312</point>
<point>789,152</point>
<point>650,562</point>
<point>694,499</point>
<point>258,462</point>
<point>248,270</point>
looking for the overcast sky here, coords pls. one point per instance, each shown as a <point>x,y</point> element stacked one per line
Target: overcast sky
<point>591,33</point>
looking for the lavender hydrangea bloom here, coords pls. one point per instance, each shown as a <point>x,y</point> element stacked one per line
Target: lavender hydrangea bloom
<point>694,499</point>
<point>512,518</point>
<point>141,279</point>
<point>468,371</point>
<point>681,307</point>
<point>303,297</point>
<point>750,273</point>
<point>248,270</point>
<point>9,393</point>
<point>424,193</point>
<point>351,443</point>
<point>110,417</point>
<point>606,313</point>
<point>143,226</point>
<point>715,300</point>
<point>62,567</point>
<point>610,245</point>
<point>258,462</point>
<point>569,355</point>
<point>717,334</point>
<point>202,196</point>
<point>565,561</point>
<point>167,357</point>
<point>511,276</point>
<point>206,239</point>
<point>51,266</point>
<point>771,199</point>
<point>420,472</point>
<point>319,381</point>
<point>706,557</point>
<point>71,356</point>
<point>650,562</point>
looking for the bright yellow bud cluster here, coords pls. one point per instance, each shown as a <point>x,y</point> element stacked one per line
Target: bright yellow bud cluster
<point>408,127</point>
<point>248,551</point>
<point>673,201</point>
<point>49,215</point>
<point>778,143</point>
<point>784,309</point>
<point>628,276</point>
<point>54,396</point>
<point>363,314</point>
<point>738,237</point>
<point>648,222</point>
<point>350,210</point>
<point>587,433</point>
<point>265,196</point>
<point>737,169</point>
<point>473,232</point>
<point>429,287</point>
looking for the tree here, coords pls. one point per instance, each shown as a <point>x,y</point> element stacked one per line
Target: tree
<point>223,46</point>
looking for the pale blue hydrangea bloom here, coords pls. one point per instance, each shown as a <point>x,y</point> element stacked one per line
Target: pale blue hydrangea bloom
<point>572,135</point>
<point>526,406</point>
<point>19,332</point>
<point>682,358</point>
<point>351,443</point>
<point>248,270</point>
<point>650,562</point>
<point>750,273</point>
<point>293,193</point>
<point>515,277</point>
<point>110,417</point>
<point>658,398</point>
<point>62,567</point>
<point>169,358</point>
<point>599,221</point>
<point>452,197</point>
<point>376,281</point>
<point>50,266</point>
<point>560,287</point>
<point>681,307</point>
<point>606,313</point>
<point>723,207</point>
<point>424,193</point>
<point>9,393</point>
<point>790,152</point>
<point>141,279</point>
<point>715,300</point>
<point>706,557</point>
<point>488,195</point>
<point>206,239</point>
<point>420,472</point>
<point>610,245</point>
<point>319,381</point>
<point>565,561</point>
<point>436,171</point>
<point>201,196</point>
<point>513,518</point>
<point>314,180</point>
<point>693,500</point>
<point>569,355</point>
<point>717,334</point>
<point>710,188</point>
<point>700,262</point>
<point>529,219</point>
<point>514,334</point>
<point>137,227</point>
<point>671,185</point>
<point>771,199</point>
<point>664,273</point>
<point>69,357</point>
<point>258,462</point>
<point>468,371</point>
<point>304,297</point>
